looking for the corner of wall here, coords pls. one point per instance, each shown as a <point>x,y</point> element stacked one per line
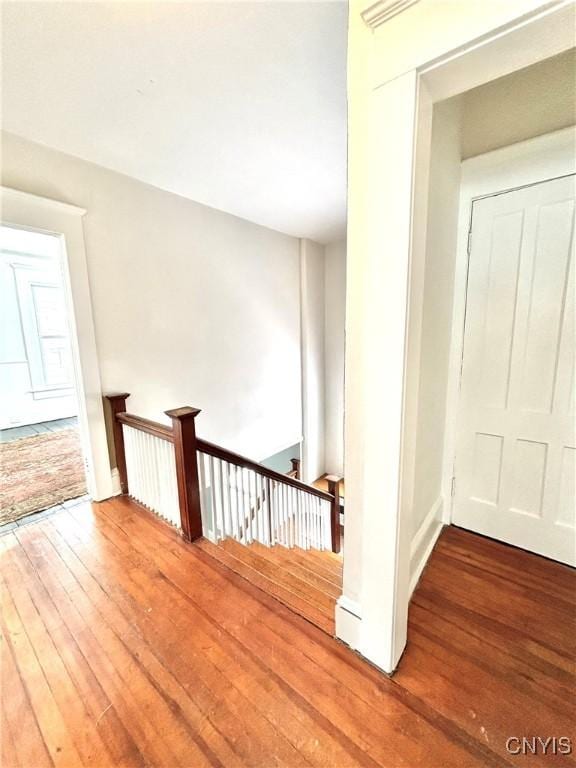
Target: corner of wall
<point>312,275</point>
<point>334,340</point>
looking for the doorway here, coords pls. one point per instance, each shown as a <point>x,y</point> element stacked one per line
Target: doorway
<point>515,447</point>
<point>41,451</point>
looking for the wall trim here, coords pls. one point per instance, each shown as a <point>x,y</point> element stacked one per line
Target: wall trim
<point>424,541</point>
<point>348,621</point>
<point>384,10</point>
<point>47,203</point>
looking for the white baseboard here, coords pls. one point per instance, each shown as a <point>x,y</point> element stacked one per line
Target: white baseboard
<point>348,621</point>
<point>424,540</point>
<point>116,489</point>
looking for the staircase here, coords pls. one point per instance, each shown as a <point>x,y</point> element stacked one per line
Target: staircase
<point>207,490</point>
<point>308,582</point>
<point>273,530</point>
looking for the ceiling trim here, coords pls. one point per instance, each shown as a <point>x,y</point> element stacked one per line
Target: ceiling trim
<point>47,203</point>
<point>383,10</point>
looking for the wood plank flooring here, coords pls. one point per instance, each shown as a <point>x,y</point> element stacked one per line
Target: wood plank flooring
<point>125,646</point>
<point>308,581</point>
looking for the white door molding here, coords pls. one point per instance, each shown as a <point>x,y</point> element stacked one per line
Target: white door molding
<point>26,211</point>
<point>391,75</point>
<point>527,162</point>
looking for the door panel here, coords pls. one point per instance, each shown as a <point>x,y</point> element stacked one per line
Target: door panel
<point>515,457</point>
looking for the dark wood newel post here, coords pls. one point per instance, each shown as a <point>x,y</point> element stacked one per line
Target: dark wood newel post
<point>187,470</point>
<point>334,488</point>
<point>118,405</point>
<point>296,468</point>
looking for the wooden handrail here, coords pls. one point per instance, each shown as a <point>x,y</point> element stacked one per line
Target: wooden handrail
<point>182,435</point>
<point>166,433</point>
<point>242,461</point>
<point>146,425</point>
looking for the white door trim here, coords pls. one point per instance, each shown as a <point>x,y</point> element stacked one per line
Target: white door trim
<point>518,165</point>
<point>26,211</point>
<point>384,273</point>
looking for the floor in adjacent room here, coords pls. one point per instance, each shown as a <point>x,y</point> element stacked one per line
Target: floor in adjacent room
<point>41,467</point>
<point>126,646</point>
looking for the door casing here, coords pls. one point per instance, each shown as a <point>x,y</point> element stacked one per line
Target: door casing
<point>22,210</point>
<point>389,160</point>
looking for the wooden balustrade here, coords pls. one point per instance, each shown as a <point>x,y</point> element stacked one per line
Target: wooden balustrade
<point>269,507</point>
<point>242,461</point>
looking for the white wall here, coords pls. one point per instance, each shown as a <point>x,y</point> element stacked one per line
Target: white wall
<point>191,306</point>
<point>323,288</point>
<point>313,360</point>
<point>531,102</point>
<point>335,317</point>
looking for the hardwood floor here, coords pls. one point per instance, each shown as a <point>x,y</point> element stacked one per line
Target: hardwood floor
<point>309,581</point>
<point>124,646</point>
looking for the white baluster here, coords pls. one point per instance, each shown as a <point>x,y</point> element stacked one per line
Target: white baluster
<point>283,514</point>
<point>203,493</point>
<point>245,516</point>
<point>269,521</point>
<point>256,508</point>
<point>226,499</point>
<point>219,502</point>
<point>239,526</point>
<point>292,507</point>
<point>275,513</point>
<point>300,526</point>
<point>308,521</point>
<point>213,496</point>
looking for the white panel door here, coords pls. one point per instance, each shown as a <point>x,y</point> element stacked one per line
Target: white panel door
<point>516,456</point>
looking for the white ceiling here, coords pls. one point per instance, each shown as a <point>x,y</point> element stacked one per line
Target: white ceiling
<point>238,105</point>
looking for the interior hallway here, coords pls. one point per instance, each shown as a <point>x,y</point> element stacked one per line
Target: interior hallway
<point>126,646</point>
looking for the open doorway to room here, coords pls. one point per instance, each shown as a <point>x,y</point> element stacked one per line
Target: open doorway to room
<point>498,314</point>
<point>42,460</point>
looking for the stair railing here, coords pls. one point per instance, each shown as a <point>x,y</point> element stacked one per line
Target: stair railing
<point>204,489</point>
